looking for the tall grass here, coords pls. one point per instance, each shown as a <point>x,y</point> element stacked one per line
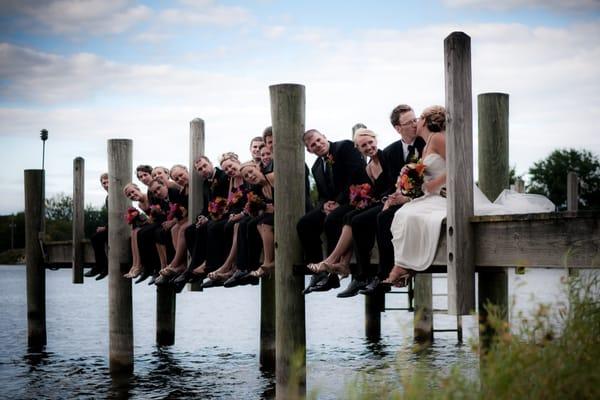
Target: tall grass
<point>542,360</point>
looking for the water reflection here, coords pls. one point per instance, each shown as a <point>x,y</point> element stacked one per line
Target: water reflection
<point>35,359</point>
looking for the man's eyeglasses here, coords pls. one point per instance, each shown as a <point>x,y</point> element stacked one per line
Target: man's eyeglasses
<point>412,121</point>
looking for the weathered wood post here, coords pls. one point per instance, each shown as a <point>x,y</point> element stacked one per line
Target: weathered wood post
<point>267,323</point>
<point>78,218</point>
<point>119,288</point>
<point>36,272</point>
<point>423,318</point>
<point>287,114</point>
<point>374,305</point>
<point>459,157</point>
<point>196,198</point>
<point>493,179</point>
<point>572,191</point>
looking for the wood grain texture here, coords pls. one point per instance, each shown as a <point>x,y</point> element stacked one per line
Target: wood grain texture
<point>459,161</point>
<point>36,273</point>
<point>78,219</point>
<point>572,191</point>
<point>287,114</point>
<point>196,189</point>
<point>423,304</point>
<point>120,320</point>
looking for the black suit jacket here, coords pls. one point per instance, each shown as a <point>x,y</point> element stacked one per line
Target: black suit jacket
<point>394,159</point>
<point>217,187</point>
<point>348,168</point>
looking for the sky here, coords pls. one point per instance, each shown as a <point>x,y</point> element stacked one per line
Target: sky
<point>89,71</point>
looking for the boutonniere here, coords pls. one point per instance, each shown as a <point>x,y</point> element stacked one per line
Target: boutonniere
<point>214,183</point>
<point>329,160</point>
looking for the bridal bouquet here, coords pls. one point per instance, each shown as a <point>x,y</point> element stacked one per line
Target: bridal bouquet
<point>234,197</point>
<point>360,196</point>
<point>217,208</point>
<point>134,217</point>
<point>254,204</point>
<point>411,180</point>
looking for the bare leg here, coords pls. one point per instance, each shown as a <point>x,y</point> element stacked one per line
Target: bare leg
<point>178,261</point>
<point>162,255</point>
<point>136,267</point>
<point>342,247</point>
<point>266,234</point>
<point>175,234</point>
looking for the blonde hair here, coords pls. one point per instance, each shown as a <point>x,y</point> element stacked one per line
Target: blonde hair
<point>248,164</point>
<point>363,132</point>
<point>229,156</point>
<point>130,184</point>
<point>183,167</point>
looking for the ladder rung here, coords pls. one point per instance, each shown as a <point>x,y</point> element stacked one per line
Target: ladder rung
<point>440,294</point>
<point>445,330</point>
<point>397,309</point>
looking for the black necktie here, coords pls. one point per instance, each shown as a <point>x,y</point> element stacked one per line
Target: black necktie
<point>411,152</point>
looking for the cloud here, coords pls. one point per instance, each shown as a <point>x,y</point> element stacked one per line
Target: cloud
<point>205,12</point>
<point>274,32</point>
<point>76,17</point>
<point>505,5</point>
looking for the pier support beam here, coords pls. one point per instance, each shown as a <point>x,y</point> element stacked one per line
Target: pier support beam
<point>165,315</point>
<point>196,195</point>
<point>78,218</point>
<point>119,288</point>
<point>459,157</point>
<point>374,305</point>
<point>423,318</point>
<point>287,114</point>
<point>36,273</point>
<point>493,179</point>
<point>267,323</point>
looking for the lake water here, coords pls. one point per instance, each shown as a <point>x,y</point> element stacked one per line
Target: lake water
<point>215,355</point>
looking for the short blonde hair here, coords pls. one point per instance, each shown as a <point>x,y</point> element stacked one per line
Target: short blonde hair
<point>435,118</point>
<point>363,132</point>
<point>183,167</point>
<point>249,164</point>
<point>229,156</point>
<point>130,184</point>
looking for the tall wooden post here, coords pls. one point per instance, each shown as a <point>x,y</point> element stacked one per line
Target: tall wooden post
<point>493,179</point>
<point>78,218</point>
<point>119,288</point>
<point>165,315</point>
<point>287,114</point>
<point>267,323</point>
<point>196,197</point>
<point>36,273</point>
<point>572,191</point>
<point>423,318</point>
<point>374,305</point>
<point>459,156</point>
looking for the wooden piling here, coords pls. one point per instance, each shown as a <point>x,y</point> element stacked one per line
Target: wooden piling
<point>78,218</point>
<point>374,305</point>
<point>119,288</point>
<point>459,157</point>
<point>493,179</point>
<point>423,318</point>
<point>287,114</point>
<point>36,272</point>
<point>165,315</point>
<point>267,323</point>
<point>196,196</point>
<point>572,191</point>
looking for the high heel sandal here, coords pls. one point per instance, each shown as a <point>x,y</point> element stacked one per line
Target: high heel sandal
<point>343,270</point>
<point>400,280</point>
<point>134,272</point>
<point>263,270</point>
<point>317,268</point>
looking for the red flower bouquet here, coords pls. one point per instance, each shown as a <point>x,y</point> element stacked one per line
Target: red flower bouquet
<point>157,214</point>
<point>176,211</point>
<point>217,208</point>
<point>234,197</point>
<point>135,217</point>
<point>254,204</point>
<point>411,180</point>
<point>360,196</point>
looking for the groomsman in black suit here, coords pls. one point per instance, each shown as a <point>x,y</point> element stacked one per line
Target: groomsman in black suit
<point>339,165</point>
<point>215,184</point>
<point>99,241</point>
<point>406,150</point>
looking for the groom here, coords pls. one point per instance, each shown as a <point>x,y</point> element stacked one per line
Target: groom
<point>339,165</point>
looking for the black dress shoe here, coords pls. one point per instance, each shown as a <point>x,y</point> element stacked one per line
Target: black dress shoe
<point>314,281</point>
<point>103,274</point>
<point>152,279</point>
<point>212,283</point>
<point>162,280</point>
<point>353,287</point>
<point>332,281</point>
<point>372,286</point>
<point>236,278</point>
<point>92,272</point>
<point>142,277</point>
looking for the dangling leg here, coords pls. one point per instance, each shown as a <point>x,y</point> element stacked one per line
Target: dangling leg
<point>228,267</point>
<point>266,234</point>
<point>136,265</point>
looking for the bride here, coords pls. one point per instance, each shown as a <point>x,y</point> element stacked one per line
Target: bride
<point>417,224</point>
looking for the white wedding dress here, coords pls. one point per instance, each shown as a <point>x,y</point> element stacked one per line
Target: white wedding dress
<point>416,226</point>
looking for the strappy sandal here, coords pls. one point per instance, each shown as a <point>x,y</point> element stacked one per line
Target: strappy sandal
<point>401,280</point>
<point>134,272</point>
<point>263,270</point>
<point>317,268</point>
<point>343,270</point>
